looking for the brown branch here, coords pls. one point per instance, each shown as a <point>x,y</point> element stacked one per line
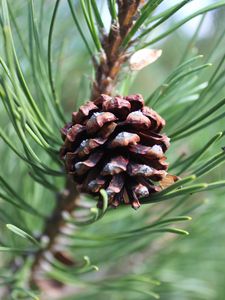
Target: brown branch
<point>113,56</point>
<point>66,202</point>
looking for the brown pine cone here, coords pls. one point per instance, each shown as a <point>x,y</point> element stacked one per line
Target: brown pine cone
<point>114,143</point>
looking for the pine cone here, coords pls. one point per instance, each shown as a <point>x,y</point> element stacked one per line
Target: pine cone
<point>114,143</point>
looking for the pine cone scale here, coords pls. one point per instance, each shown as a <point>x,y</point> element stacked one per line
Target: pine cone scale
<point>97,121</point>
<point>82,167</point>
<point>116,165</point>
<point>124,139</point>
<point>115,186</point>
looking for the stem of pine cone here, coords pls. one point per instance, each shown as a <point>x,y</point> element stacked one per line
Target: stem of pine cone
<point>112,58</point>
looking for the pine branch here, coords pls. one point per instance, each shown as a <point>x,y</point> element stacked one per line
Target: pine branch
<point>113,55</point>
<point>29,116</point>
<point>66,202</point>
<point>106,74</point>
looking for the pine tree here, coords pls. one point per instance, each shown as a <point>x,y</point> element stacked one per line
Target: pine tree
<point>56,56</point>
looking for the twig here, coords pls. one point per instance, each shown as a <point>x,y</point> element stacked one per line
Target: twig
<point>114,56</point>
<point>66,201</point>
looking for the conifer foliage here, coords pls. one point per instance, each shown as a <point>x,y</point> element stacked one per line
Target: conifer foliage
<point>54,56</point>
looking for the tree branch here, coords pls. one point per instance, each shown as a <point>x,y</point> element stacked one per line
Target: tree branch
<point>113,56</point>
<point>66,202</point>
